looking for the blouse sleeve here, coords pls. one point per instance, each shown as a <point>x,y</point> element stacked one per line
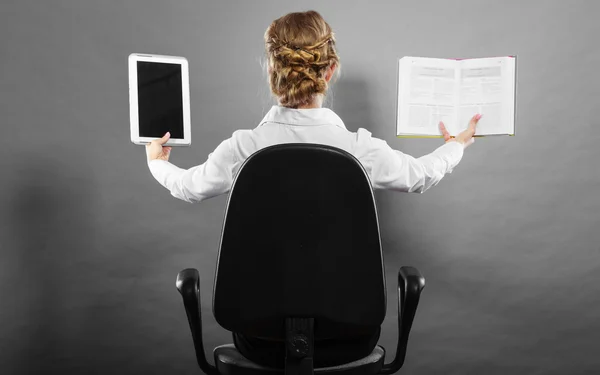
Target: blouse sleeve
<point>201,182</point>
<point>393,170</point>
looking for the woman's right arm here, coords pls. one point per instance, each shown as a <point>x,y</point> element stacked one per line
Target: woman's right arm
<point>393,170</point>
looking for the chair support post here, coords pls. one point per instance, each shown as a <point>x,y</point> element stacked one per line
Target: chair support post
<point>299,346</point>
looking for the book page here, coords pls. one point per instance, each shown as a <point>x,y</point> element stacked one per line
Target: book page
<point>427,94</point>
<point>487,87</point>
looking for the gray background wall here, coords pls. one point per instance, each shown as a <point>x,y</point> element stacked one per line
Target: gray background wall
<point>91,243</point>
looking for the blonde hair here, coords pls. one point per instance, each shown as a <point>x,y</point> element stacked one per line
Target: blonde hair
<point>300,47</point>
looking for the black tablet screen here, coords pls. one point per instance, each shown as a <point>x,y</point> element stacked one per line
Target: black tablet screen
<point>160,101</point>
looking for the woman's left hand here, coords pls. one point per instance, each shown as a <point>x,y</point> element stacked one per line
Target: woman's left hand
<point>156,151</point>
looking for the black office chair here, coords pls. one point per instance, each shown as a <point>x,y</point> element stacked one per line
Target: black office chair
<point>300,260</point>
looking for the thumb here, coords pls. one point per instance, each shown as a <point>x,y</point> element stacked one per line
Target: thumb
<point>444,131</point>
<point>165,138</point>
<point>474,121</point>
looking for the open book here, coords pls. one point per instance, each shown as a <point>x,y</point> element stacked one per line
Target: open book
<point>431,90</point>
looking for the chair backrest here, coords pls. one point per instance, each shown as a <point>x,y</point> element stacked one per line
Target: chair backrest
<point>300,239</point>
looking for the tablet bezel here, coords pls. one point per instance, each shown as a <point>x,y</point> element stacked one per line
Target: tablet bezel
<point>133,98</point>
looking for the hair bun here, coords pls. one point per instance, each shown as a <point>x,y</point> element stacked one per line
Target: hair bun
<point>299,48</point>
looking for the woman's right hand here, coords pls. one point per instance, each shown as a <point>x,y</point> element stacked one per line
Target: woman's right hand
<point>466,136</point>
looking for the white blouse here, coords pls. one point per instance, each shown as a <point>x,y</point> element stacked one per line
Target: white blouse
<point>387,168</point>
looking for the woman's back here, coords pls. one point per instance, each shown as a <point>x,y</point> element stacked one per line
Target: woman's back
<point>286,125</point>
<point>387,168</point>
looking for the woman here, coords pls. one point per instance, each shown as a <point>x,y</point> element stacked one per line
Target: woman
<point>302,60</point>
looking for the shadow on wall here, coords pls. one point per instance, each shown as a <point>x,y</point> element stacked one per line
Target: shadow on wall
<point>84,293</point>
<point>49,230</point>
<point>349,98</point>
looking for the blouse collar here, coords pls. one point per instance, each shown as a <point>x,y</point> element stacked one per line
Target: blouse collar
<point>303,117</point>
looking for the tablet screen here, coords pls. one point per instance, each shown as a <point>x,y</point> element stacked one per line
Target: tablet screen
<point>160,99</point>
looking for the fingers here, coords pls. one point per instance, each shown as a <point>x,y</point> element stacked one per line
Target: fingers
<point>164,138</point>
<point>473,123</point>
<point>444,131</point>
<point>160,141</point>
<point>156,150</point>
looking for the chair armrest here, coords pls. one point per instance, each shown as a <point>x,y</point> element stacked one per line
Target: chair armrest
<point>188,284</point>
<point>410,285</point>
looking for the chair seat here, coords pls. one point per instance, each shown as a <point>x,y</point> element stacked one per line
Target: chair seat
<point>229,361</point>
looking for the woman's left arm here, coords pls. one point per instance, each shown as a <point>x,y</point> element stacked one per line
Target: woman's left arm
<point>198,183</point>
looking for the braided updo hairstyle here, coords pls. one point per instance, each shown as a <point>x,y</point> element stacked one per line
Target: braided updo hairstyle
<point>300,47</point>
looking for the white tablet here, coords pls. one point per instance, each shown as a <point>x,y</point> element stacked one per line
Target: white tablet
<point>159,99</point>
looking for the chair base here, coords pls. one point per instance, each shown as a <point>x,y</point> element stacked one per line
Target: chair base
<point>229,361</point>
